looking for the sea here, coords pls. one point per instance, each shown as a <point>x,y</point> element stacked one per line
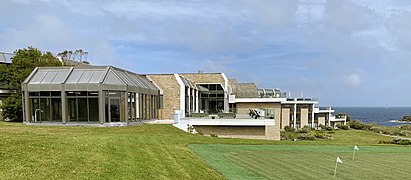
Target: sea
<point>385,116</point>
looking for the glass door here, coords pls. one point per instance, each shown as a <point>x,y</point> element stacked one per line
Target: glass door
<point>115,110</point>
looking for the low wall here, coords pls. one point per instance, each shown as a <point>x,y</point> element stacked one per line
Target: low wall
<point>246,132</point>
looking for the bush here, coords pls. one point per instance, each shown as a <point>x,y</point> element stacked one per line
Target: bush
<point>343,127</point>
<point>306,136</point>
<point>356,124</point>
<point>405,127</point>
<point>320,134</point>
<point>322,126</point>
<point>286,135</point>
<point>385,142</point>
<point>305,129</point>
<point>328,128</point>
<point>289,129</point>
<point>213,135</point>
<point>402,141</point>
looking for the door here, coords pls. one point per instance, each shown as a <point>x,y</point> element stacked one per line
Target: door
<point>115,110</point>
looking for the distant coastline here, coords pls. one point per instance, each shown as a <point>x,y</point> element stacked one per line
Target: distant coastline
<point>384,116</point>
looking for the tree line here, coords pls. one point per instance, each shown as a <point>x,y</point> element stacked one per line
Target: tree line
<point>23,63</point>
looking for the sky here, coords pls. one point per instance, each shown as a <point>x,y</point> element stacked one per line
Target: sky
<point>344,52</point>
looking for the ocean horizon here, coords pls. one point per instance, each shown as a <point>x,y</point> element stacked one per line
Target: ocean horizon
<point>385,116</point>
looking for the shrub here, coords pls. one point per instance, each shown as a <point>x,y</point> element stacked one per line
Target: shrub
<point>320,134</point>
<point>343,127</point>
<point>213,135</point>
<point>356,124</point>
<point>305,129</point>
<point>402,141</point>
<point>289,129</point>
<point>405,127</point>
<point>328,128</point>
<point>286,135</point>
<point>322,126</point>
<point>385,142</point>
<point>306,136</point>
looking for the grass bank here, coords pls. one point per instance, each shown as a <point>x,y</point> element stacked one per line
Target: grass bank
<point>138,152</point>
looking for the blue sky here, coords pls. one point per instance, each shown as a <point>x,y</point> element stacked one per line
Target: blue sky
<point>344,52</point>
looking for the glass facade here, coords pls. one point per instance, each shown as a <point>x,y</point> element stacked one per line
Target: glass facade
<point>45,106</point>
<point>82,106</point>
<point>211,101</point>
<point>92,94</point>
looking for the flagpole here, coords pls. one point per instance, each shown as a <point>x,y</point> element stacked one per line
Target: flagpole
<point>353,155</point>
<point>335,170</point>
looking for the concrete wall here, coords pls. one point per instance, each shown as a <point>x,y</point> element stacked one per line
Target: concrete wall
<point>243,108</point>
<point>304,117</point>
<point>247,132</point>
<point>171,93</point>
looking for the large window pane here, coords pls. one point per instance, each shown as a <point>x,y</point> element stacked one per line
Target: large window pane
<point>34,105</point>
<point>72,109</point>
<point>82,110</point>
<point>45,109</point>
<point>93,109</point>
<point>56,109</point>
<point>115,110</point>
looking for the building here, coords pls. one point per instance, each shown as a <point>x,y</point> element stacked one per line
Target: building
<point>88,95</point>
<point>192,93</point>
<point>214,104</point>
<point>5,60</point>
<point>208,102</point>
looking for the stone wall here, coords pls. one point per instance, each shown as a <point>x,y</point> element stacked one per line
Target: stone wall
<point>246,90</point>
<point>171,93</point>
<point>246,132</point>
<point>205,78</point>
<point>321,120</point>
<point>233,84</point>
<point>285,117</point>
<point>304,117</point>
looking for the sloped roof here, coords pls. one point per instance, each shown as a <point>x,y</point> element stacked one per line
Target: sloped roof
<point>80,75</point>
<point>5,58</point>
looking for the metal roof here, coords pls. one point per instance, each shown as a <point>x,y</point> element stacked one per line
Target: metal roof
<point>89,77</point>
<point>5,58</point>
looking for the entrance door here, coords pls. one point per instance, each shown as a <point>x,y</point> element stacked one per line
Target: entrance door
<point>115,110</point>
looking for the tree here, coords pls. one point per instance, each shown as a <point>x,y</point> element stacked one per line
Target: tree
<point>23,63</point>
<point>77,55</point>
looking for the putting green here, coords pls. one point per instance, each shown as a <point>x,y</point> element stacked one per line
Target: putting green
<point>306,162</point>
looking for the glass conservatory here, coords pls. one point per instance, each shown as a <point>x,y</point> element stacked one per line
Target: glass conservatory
<point>92,94</point>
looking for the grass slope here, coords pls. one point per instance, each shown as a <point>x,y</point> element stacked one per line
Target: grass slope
<point>138,152</point>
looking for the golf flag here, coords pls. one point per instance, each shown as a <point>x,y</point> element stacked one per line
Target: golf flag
<point>353,153</point>
<point>339,160</point>
<point>336,164</point>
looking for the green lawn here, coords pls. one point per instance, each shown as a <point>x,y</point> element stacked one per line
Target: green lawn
<point>306,162</point>
<point>137,152</point>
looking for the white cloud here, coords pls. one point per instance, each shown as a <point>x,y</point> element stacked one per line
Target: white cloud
<point>353,79</point>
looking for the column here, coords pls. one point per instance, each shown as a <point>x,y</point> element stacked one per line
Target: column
<point>63,106</point>
<point>295,115</point>
<point>27,105</point>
